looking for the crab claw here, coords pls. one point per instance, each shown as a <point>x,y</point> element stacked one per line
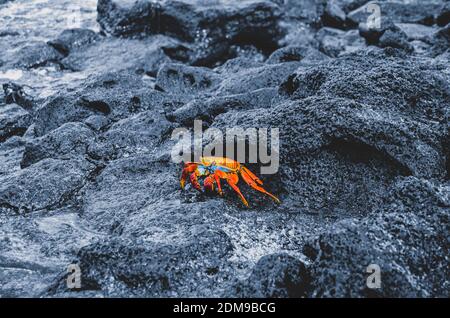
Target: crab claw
<point>189,168</point>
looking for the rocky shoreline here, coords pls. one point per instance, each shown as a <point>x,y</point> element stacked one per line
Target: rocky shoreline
<point>86,175</point>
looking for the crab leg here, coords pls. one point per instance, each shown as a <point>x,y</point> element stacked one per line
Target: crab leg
<point>208,183</point>
<point>232,180</point>
<point>248,175</point>
<point>219,187</point>
<point>213,179</point>
<point>194,181</point>
<point>253,181</point>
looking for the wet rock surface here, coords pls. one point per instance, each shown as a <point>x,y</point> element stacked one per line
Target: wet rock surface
<point>418,219</point>
<point>14,121</point>
<point>86,174</point>
<point>400,11</point>
<point>213,27</point>
<point>275,276</point>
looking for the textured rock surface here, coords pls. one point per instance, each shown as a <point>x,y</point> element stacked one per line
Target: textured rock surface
<point>213,26</point>
<point>417,214</point>
<point>156,269</point>
<point>47,184</point>
<point>73,39</point>
<point>276,276</point>
<point>400,11</point>
<point>14,121</point>
<point>70,140</point>
<point>86,175</point>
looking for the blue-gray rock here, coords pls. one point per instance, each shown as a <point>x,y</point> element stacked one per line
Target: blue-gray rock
<point>36,55</point>
<point>418,218</point>
<point>115,95</point>
<point>333,15</point>
<point>45,185</point>
<point>275,276</point>
<point>14,121</point>
<point>398,11</point>
<point>153,269</point>
<point>214,27</point>
<point>69,141</point>
<point>74,39</point>
<point>444,15</point>
<point>85,147</point>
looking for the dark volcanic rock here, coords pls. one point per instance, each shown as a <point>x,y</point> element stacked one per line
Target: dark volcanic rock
<point>140,133</point>
<point>388,35</point>
<point>350,5</point>
<point>14,121</point>
<point>251,79</point>
<point>208,109</point>
<point>408,241</point>
<point>153,269</point>
<point>127,185</point>
<point>35,55</point>
<point>15,94</point>
<point>44,185</point>
<point>117,54</point>
<point>115,95</point>
<point>364,148</point>
<point>306,55</point>
<point>375,78</point>
<point>395,39</point>
<point>275,276</point>
<point>444,16</point>
<point>214,27</point>
<point>34,253</point>
<point>132,18</point>
<point>422,12</point>
<point>417,31</point>
<point>330,143</point>
<point>335,42</point>
<point>73,39</point>
<point>330,150</point>
<point>97,122</point>
<point>182,79</point>
<point>11,152</point>
<point>407,103</point>
<point>71,140</point>
<point>188,80</point>
<point>308,11</point>
<point>441,40</point>
<point>373,34</point>
<point>333,15</point>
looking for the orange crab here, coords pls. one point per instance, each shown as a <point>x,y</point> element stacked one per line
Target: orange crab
<point>216,168</point>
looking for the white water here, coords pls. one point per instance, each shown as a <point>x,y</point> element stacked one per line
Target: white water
<point>25,21</point>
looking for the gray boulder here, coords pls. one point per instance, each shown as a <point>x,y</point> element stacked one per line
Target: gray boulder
<point>399,11</point>
<point>115,95</point>
<point>333,15</point>
<point>71,140</point>
<point>214,27</point>
<point>275,276</point>
<point>14,121</point>
<point>36,55</point>
<point>153,269</point>
<point>47,184</point>
<point>74,39</point>
<point>444,15</point>
<point>408,241</point>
